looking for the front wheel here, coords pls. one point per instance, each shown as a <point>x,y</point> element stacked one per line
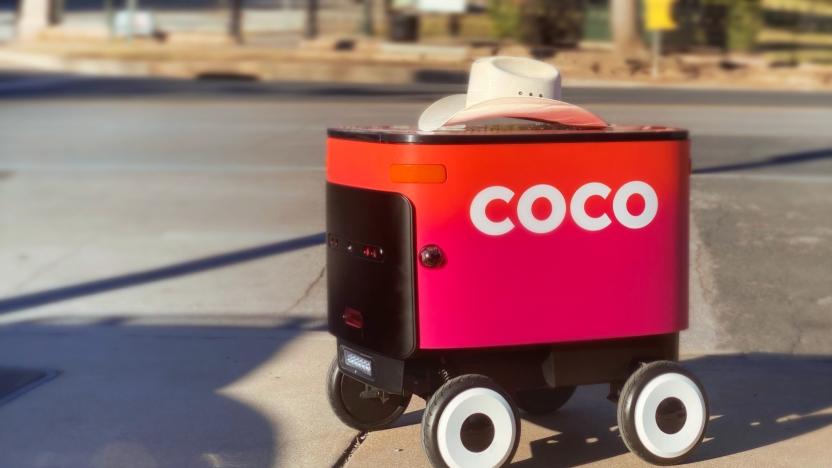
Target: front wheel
<point>470,422</point>
<point>360,406</point>
<point>662,413</point>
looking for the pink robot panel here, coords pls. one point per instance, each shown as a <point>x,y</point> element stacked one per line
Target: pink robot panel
<point>542,242</point>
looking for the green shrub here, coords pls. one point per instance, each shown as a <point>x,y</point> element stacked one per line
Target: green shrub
<point>506,16</point>
<point>552,22</point>
<point>538,22</point>
<point>742,23</point>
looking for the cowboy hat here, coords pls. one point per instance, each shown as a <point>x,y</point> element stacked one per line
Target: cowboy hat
<point>513,87</point>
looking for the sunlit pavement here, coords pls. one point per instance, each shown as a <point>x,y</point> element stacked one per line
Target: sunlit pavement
<point>159,249</point>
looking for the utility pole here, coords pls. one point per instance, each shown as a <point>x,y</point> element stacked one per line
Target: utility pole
<point>655,53</point>
<point>235,23</point>
<point>624,26</point>
<point>658,17</point>
<point>311,19</point>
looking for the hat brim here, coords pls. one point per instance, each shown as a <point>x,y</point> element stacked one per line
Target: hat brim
<point>451,110</point>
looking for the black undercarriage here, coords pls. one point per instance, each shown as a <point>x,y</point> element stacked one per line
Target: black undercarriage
<point>560,365</point>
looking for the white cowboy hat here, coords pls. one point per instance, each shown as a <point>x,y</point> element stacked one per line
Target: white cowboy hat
<point>514,87</point>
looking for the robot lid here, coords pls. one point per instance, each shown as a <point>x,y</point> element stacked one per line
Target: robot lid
<point>506,133</point>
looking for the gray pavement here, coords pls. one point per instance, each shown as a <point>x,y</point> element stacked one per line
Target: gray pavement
<point>159,248</point>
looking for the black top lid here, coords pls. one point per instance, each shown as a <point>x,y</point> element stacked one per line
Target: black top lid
<point>522,133</point>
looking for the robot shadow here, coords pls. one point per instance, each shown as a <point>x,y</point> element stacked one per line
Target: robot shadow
<point>755,400</point>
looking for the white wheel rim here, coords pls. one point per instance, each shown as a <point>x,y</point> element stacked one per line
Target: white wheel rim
<point>467,403</point>
<point>658,442</point>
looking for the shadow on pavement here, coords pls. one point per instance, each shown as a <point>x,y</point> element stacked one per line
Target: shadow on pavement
<point>14,382</point>
<point>156,395</point>
<point>774,161</point>
<point>150,396</point>
<point>755,400</point>
<point>25,85</point>
<point>25,301</point>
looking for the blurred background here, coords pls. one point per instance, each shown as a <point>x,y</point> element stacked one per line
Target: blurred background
<point>701,40</point>
<point>162,277</point>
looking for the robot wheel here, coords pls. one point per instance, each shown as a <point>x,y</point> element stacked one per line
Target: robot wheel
<point>360,406</point>
<point>470,422</point>
<point>662,413</point>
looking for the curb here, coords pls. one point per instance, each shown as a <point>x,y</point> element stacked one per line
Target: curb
<point>297,70</point>
<point>320,70</point>
<point>84,66</point>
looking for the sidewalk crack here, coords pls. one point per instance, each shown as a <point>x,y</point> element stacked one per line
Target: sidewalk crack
<point>350,450</point>
<point>308,291</point>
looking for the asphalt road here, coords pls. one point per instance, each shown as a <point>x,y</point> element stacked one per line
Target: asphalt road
<point>147,225</point>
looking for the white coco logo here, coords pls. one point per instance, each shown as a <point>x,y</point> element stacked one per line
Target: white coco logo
<point>577,207</point>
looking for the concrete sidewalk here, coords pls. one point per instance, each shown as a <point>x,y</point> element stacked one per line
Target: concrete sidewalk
<point>158,396</point>
<point>171,396</point>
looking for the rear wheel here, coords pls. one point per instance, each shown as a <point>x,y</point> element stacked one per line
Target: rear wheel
<point>662,413</point>
<point>542,400</point>
<point>360,406</point>
<point>470,422</point>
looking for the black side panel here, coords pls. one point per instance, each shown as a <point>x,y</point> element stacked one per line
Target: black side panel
<point>370,269</point>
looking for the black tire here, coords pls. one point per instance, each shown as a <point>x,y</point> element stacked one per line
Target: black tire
<point>502,442</point>
<point>543,400</point>
<point>363,414</point>
<point>678,408</point>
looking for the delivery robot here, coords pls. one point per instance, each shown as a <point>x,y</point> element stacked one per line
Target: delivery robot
<point>495,268</point>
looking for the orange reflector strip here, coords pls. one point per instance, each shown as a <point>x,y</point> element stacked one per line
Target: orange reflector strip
<point>418,173</point>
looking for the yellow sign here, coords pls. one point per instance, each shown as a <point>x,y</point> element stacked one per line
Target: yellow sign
<point>658,15</point>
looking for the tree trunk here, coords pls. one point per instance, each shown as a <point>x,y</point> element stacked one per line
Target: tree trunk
<point>32,18</point>
<point>235,23</point>
<point>624,26</point>
<point>311,19</point>
<point>383,12</point>
<point>56,13</point>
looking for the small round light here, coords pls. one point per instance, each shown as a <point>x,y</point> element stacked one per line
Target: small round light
<point>431,256</point>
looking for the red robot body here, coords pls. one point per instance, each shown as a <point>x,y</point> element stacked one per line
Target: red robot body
<point>538,259</point>
<point>549,280</point>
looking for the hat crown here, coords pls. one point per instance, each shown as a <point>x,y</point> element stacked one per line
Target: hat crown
<point>500,77</point>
